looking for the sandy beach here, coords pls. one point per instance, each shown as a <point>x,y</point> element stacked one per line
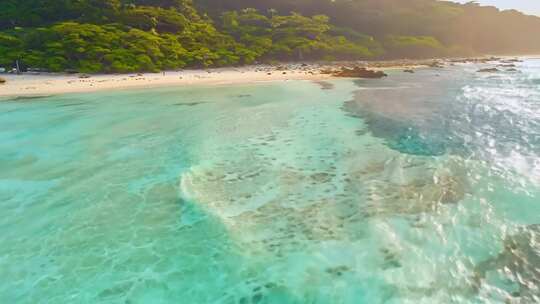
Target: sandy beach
<point>51,84</point>
<point>27,84</point>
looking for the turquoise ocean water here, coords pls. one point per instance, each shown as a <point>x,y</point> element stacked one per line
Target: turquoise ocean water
<point>419,188</point>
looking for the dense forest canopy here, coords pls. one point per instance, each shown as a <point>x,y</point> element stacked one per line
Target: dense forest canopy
<point>152,35</point>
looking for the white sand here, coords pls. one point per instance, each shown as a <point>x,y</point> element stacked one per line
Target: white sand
<point>51,84</point>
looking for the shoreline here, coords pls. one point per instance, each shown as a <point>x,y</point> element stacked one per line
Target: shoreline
<point>46,84</point>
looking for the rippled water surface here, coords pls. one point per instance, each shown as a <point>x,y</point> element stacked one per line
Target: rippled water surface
<point>420,188</point>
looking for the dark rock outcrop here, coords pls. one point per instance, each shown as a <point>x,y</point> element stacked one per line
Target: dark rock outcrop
<point>488,70</point>
<point>2,80</point>
<point>512,60</point>
<point>327,71</point>
<point>436,64</point>
<point>511,65</point>
<point>359,72</point>
<point>475,60</point>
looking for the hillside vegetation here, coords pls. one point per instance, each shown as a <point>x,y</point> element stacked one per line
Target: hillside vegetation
<point>151,35</point>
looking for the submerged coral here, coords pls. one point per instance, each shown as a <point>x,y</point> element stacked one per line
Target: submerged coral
<point>518,262</point>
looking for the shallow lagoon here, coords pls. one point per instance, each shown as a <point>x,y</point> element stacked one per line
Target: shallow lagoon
<point>419,188</point>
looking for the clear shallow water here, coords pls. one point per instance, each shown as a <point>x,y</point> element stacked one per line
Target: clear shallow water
<point>419,188</point>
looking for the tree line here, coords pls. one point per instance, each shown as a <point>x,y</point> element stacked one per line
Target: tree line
<point>151,35</point>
